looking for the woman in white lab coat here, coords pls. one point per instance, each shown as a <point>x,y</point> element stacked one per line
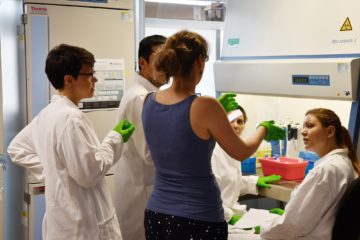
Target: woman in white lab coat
<point>62,141</point>
<point>310,213</point>
<point>228,172</point>
<point>229,177</point>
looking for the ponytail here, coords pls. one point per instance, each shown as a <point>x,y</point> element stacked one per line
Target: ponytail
<point>351,151</point>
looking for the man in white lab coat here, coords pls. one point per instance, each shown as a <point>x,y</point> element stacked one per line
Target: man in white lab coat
<point>133,174</point>
<point>61,142</point>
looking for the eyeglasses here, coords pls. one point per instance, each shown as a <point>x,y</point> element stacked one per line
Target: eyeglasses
<point>92,74</point>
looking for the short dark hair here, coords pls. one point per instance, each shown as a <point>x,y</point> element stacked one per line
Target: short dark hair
<point>66,60</point>
<point>146,46</point>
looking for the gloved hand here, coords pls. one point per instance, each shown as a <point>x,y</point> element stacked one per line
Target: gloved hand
<point>278,211</point>
<point>273,132</point>
<point>257,230</point>
<point>234,219</point>
<point>228,102</point>
<point>263,181</point>
<point>125,129</point>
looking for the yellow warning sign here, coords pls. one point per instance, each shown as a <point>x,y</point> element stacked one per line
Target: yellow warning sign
<point>346,26</point>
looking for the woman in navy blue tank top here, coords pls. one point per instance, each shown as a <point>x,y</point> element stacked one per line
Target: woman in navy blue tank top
<point>181,130</point>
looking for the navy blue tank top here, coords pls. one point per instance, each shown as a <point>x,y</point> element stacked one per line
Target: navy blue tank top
<point>184,183</point>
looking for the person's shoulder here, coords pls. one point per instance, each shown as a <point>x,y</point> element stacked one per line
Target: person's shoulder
<point>134,91</point>
<point>331,170</point>
<point>76,120</point>
<point>60,116</point>
<point>339,165</point>
<point>206,101</point>
<point>65,112</point>
<point>61,109</point>
<point>137,86</point>
<point>132,98</point>
<point>75,115</point>
<point>338,159</point>
<point>208,108</point>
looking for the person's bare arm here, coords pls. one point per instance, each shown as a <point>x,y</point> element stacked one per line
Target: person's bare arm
<point>208,119</point>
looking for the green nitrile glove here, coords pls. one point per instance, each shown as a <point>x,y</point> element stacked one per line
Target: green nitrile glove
<point>125,129</point>
<point>263,181</point>
<point>257,230</point>
<point>234,219</point>
<point>278,211</point>
<point>273,132</point>
<point>228,102</point>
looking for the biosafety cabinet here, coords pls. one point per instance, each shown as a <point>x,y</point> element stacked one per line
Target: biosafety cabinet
<point>286,57</point>
<point>105,28</point>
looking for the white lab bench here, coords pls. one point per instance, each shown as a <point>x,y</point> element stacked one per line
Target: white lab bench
<point>279,191</point>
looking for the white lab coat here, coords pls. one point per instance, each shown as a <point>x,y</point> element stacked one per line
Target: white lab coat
<point>133,174</point>
<point>231,182</point>
<point>310,213</point>
<point>63,141</point>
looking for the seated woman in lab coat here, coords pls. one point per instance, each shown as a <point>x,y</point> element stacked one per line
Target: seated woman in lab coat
<point>229,177</point>
<point>61,143</point>
<point>310,213</point>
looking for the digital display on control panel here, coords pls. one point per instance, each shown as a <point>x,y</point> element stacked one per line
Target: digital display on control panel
<point>313,80</point>
<point>300,80</point>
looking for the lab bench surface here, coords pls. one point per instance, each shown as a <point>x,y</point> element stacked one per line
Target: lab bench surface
<point>280,190</point>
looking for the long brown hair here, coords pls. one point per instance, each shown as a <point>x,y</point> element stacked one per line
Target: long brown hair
<point>329,118</point>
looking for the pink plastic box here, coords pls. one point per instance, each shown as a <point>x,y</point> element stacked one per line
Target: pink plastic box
<point>287,168</point>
